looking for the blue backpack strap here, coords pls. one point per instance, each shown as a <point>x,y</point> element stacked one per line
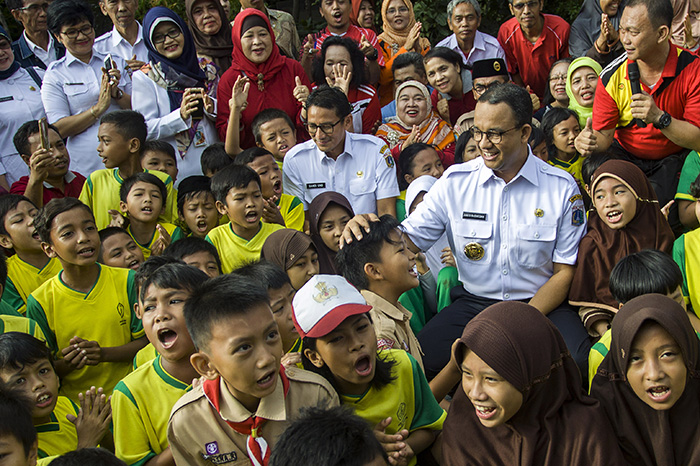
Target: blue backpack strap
<point>35,76</point>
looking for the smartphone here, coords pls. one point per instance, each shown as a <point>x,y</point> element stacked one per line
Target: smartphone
<point>198,113</point>
<point>44,133</point>
<point>109,63</point>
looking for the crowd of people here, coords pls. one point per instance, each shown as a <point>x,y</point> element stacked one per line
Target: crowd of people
<point>225,243</point>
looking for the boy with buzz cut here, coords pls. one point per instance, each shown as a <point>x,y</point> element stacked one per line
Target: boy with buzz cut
<point>278,207</point>
<point>29,267</point>
<point>17,433</point>
<point>383,268</point>
<point>246,399</point>
<point>86,311</point>
<point>197,253</point>
<point>237,190</point>
<point>143,198</point>
<point>118,249</point>
<point>274,130</point>
<point>196,206</point>
<point>158,155</point>
<point>121,135</point>
<point>61,425</point>
<point>142,401</point>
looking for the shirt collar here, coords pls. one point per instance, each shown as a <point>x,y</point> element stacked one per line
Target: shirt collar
<point>67,178</point>
<point>117,38</point>
<point>32,46</point>
<point>271,407</point>
<point>527,171</point>
<point>347,149</point>
<point>397,313</point>
<point>71,59</point>
<point>479,43</point>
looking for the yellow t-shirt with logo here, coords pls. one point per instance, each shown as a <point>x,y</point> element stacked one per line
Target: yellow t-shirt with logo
<point>235,251</point>
<point>58,436</point>
<point>104,314</point>
<point>23,278</point>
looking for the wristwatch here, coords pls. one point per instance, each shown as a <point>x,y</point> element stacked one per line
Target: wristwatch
<point>373,56</point>
<point>664,121</point>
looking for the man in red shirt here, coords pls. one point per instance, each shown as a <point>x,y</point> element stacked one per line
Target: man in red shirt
<point>49,177</point>
<point>668,104</point>
<point>533,41</point>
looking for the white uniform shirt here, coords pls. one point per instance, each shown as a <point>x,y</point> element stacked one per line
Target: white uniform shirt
<point>523,226</point>
<point>72,87</point>
<point>484,47</point>
<point>20,101</point>
<point>47,56</point>
<point>363,173</point>
<point>113,42</point>
<point>152,101</point>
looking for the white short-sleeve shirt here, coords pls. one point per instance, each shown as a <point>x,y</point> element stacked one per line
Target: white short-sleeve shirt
<point>47,56</point>
<point>113,42</point>
<point>520,228</point>
<point>485,46</point>
<point>363,173</point>
<point>71,87</point>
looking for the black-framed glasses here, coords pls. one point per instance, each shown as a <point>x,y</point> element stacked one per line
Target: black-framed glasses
<point>326,128</point>
<point>480,88</point>
<point>530,5</point>
<point>34,7</point>
<point>493,136</point>
<point>73,33</point>
<point>174,33</point>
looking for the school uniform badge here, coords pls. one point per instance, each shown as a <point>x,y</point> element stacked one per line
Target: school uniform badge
<point>474,251</point>
<point>578,216</point>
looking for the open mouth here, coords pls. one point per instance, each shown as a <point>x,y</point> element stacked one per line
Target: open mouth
<point>201,225</point>
<point>44,400</point>
<point>486,155</point>
<point>251,217</point>
<point>167,338</point>
<point>363,366</point>
<point>172,48</point>
<point>86,252</point>
<point>35,235</point>
<point>337,16</point>
<point>147,210</point>
<point>587,96</point>
<point>659,393</point>
<point>133,265</point>
<point>277,186</point>
<point>614,216</point>
<point>267,380</point>
<point>412,113</point>
<point>283,148</point>
<point>485,412</point>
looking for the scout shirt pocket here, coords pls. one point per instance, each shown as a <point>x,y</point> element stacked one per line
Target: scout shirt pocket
<point>473,240</point>
<point>80,96</point>
<point>362,187</point>
<point>535,245</point>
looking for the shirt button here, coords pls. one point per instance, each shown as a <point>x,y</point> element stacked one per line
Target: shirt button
<point>472,233</point>
<point>506,296</point>
<point>505,246</point>
<point>505,217</point>
<point>537,235</point>
<point>505,189</point>
<point>505,272</point>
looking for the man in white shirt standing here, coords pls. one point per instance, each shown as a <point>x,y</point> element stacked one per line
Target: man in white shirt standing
<point>36,46</point>
<point>126,37</point>
<point>463,19</point>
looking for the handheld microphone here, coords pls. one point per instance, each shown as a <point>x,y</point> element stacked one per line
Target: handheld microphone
<point>633,71</point>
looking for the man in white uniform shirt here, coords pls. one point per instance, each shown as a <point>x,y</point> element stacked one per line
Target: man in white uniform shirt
<point>126,37</point>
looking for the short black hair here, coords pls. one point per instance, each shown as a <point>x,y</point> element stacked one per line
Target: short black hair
<point>128,123</point>
<point>9,202</point>
<point>214,158</point>
<point>14,4</point>
<point>330,98</point>
<point>142,177</point>
<point>191,187</point>
<point>266,116</point>
<point>218,299</point>
<point>591,163</point>
<point>27,130</point>
<point>357,60</point>
<point>3,270</point>
<point>644,272</point>
<point>461,145</point>
<point>233,176</point>
<point>407,59</point>
<point>548,98</point>
<point>177,276</point>
<point>446,54</point>
<point>270,276</point>
<point>329,437</point>
<point>660,12</point>
<point>106,233</point>
<point>18,350</point>
<point>191,245</point>
<point>44,219</point>
<point>552,118</point>
<point>91,456</point>
<point>156,145</point>
<point>515,97</point>
<point>250,154</point>
<point>147,269</point>
<point>406,158</point>
<point>352,258</point>
<point>68,13</point>
<point>16,418</point>
<point>536,137</point>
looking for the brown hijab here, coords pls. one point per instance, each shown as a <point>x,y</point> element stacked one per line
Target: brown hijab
<point>556,424</point>
<point>326,256</point>
<point>219,46</point>
<point>284,247</point>
<point>603,247</point>
<point>649,437</point>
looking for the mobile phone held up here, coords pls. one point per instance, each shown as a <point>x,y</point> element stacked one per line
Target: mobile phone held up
<point>44,133</point>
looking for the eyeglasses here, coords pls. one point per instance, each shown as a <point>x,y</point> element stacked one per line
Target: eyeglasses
<point>480,88</point>
<point>326,128</point>
<point>34,8</point>
<point>558,77</point>
<point>520,6</point>
<point>5,44</point>
<point>493,136</point>
<point>73,33</point>
<point>174,33</point>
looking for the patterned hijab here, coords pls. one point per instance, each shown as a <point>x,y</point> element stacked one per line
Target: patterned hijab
<point>392,36</point>
<point>219,46</point>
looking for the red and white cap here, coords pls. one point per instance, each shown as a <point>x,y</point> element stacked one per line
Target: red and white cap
<point>323,303</point>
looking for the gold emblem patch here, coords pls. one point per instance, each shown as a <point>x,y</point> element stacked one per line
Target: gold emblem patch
<point>496,66</point>
<point>474,251</point>
<point>325,292</point>
<point>539,213</point>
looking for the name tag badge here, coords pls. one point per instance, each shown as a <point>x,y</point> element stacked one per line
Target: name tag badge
<point>315,185</point>
<point>474,216</point>
<point>6,99</point>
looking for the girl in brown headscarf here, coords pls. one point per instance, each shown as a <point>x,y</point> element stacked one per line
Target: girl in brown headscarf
<point>294,252</point>
<point>211,31</point>
<point>520,401</point>
<point>649,383</point>
<point>627,219</point>
<point>328,214</point>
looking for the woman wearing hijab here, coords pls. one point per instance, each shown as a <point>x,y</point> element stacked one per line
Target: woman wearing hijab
<point>170,89</point>
<point>581,83</point>
<point>627,219</point>
<point>20,101</point>
<point>649,383</point>
<point>362,14</point>
<point>401,34</point>
<point>594,31</point>
<point>211,32</point>
<point>274,81</point>
<point>520,401</point>
<point>294,252</point>
<point>328,214</point>
<point>414,110</point>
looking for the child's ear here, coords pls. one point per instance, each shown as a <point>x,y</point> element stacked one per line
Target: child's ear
<point>200,362</point>
<point>314,357</point>
<point>137,311</point>
<point>48,250</point>
<point>25,158</point>
<point>123,207</point>
<point>134,145</point>
<point>6,242</point>
<point>221,207</point>
<point>373,271</point>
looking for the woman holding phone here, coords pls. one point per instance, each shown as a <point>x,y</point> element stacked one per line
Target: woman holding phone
<point>173,93</point>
